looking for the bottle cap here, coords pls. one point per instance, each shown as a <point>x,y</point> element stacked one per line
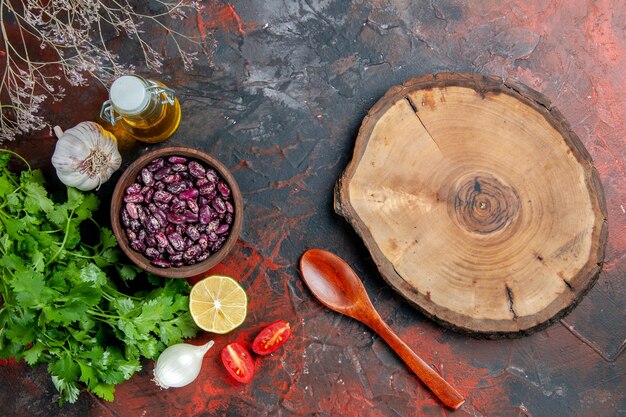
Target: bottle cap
<point>129,96</point>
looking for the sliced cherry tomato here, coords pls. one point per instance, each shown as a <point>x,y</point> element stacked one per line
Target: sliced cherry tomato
<point>238,362</point>
<point>271,338</point>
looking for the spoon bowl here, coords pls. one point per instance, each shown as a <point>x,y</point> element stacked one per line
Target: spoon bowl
<point>337,286</point>
<point>332,281</point>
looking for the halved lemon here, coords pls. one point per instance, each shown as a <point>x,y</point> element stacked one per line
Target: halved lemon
<point>218,304</point>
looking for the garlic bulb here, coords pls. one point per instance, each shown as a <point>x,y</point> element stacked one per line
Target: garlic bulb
<point>179,364</point>
<point>85,156</point>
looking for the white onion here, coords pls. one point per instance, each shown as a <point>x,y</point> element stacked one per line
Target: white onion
<point>179,364</point>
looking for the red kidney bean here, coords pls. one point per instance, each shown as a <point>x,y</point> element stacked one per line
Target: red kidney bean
<point>212,176</point>
<point>153,225</point>
<point>206,190</point>
<point>151,241</point>
<point>161,217</point>
<point>176,257</point>
<point>203,256</point>
<point>152,208</point>
<point>223,188</point>
<point>202,182</point>
<point>196,169</point>
<point>141,235</point>
<point>217,245</point>
<point>177,241</point>
<point>142,212</point>
<point>169,229</point>
<point>223,228</point>
<point>205,214</point>
<point>147,177</point>
<point>203,242</point>
<point>125,218</point>
<point>134,198</point>
<point>170,250</point>
<point>130,235</point>
<point>193,206</point>
<point>175,217</point>
<point>179,167</point>
<point>229,207</point>
<point>178,207</point>
<point>228,218</point>
<point>177,159</point>
<point>188,194</point>
<point>213,225</point>
<point>148,195</point>
<point>160,186</point>
<point>190,216</point>
<point>161,263</point>
<point>162,173</point>
<point>138,246</point>
<point>193,233</point>
<point>134,188</point>
<point>178,264</point>
<point>162,197</point>
<point>135,225</point>
<point>177,187</point>
<point>192,252</point>
<point>161,239</point>
<point>212,237</point>
<point>156,164</point>
<point>170,179</point>
<point>218,205</point>
<point>131,208</point>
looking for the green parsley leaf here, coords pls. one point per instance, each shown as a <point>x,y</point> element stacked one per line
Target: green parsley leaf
<point>36,198</point>
<point>92,274</point>
<point>104,391</point>
<point>30,288</point>
<point>128,272</point>
<point>123,306</point>
<point>87,374</point>
<point>65,367</point>
<point>68,390</point>
<point>32,354</point>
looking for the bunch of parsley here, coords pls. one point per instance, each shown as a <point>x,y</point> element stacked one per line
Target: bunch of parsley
<point>68,302</point>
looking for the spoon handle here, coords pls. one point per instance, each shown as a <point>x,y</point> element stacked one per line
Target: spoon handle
<point>444,391</point>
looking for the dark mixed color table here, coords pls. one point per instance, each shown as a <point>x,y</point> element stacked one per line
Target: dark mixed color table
<point>280,105</point>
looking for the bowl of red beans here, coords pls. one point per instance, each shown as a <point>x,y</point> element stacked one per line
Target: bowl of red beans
<point>176,212</point>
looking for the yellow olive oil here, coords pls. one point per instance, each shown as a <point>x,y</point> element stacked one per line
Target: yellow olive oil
<point>156,125</point>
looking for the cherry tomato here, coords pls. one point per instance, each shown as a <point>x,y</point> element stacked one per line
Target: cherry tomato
<point>238,362</point>
<point>271,338</point>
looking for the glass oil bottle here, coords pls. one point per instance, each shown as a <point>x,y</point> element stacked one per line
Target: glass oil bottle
<point>147,110</point>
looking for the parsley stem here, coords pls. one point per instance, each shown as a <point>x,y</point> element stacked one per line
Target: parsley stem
<point>18,156</point>
<point>98,314</point>
<point>67,231</point>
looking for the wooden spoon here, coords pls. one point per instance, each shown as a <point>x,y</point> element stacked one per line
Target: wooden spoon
<point>338,287</point>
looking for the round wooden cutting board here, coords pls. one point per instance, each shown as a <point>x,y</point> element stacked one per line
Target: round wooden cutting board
<point>477,202</point>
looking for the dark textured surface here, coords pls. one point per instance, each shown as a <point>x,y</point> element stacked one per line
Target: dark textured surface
<point>280,105</point>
